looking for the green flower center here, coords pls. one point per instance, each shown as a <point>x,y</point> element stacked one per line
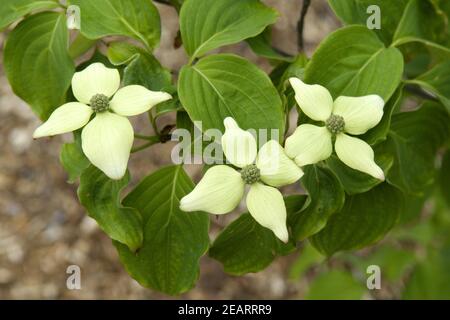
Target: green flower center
<point>335,124</point>
<point>250,174</point>
<point>100,103</point>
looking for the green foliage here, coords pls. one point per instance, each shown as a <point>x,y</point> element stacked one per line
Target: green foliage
<point>225,85</point>
<point>355,12</point>
<point>420,22</point>
<point>174,240</point>
<point>355,181</point>
<point>405,62</point>
<point>326,197</point>
<point>430,279</point>
<point>444,177</point>
<point>207,25</point>
<point>349,229</point>
<point>12,10</point>
<point>437,81</point>
<point>261,45</point>
<point>101,198</point>
<point>337,285</point>
<point>413,141</point>
<point>352,61</point>
<point>138,19</point>
<point>308,258</point>
<point>141,67</point>
<point>73,159</point>
<point>37,62</point>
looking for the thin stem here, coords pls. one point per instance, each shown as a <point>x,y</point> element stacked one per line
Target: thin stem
<point>417,91</point>
<point>152,120</point>
<point>143,137</point>
<point>151,142</point>
<point>301,24</point>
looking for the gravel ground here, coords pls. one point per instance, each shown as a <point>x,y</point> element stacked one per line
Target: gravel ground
<point>43,228</point>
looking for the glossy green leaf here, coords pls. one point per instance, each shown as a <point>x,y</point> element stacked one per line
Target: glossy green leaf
<point>224,85</point>
<point>138,19</point>
<point>37,62</point>
<point>421,23</point>
<point>430,279</point>
<point>381,131</point>
<point>245,246</point>
<point>326,196</point>
<point>356,12</point>
<point>73,159</point>
<point>207,25</point>
<point>141,67</point>
<point>101,198</point>
<point>437,81</point>
<point>392,261</point>
<point>12,10</point>
<point>354,62</point>
<point>444,177</point>
<point>413,141</point>
<point>174,240</point>
<point>364,220</point>
<point>335,285</point>
<point>355,181</point>
<point>261,45</point>
<point>307,258</point>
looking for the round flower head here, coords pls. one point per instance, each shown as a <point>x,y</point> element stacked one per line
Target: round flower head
<point>222,187</point>
<point>107,139</point>
<point>353,115</point>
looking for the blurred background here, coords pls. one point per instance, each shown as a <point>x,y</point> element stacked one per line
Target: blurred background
<point>43,228</point>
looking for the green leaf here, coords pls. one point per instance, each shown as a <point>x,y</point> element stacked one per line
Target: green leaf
<point>413,141</point>
<point>207,25</point>
<point>437,81</point>
<point>37,62</point>
<point>245,246</point>
<point>326,197</point>
<point>335,285</point>
<point>421,23</point>
<point>355,181</point>
<point>280,76</point>
<point>174,240</point>
<point>352,61</point>
<point>355,12</point>
<point>101,198</point>
<point>73,159</point>
<point>141,67</point>
<point>261,45</point>
<point>224,85</point>
<point>12,10</point>
<point>80,46</point>
<point>430,279</point>
<point>444,177</point>
<point>138,19</point>
<point>364,219</point>
<point>307,258</point>
<point>393,262</point>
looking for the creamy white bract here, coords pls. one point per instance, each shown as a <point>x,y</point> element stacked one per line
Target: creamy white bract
<point>346,115</point>
<point>222,187</point>
<point>107,138</point>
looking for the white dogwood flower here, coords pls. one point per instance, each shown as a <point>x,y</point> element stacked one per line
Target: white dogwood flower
<point>354,115</point>
<point>222,187</point>
<point>107,139</point>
